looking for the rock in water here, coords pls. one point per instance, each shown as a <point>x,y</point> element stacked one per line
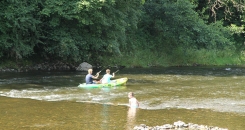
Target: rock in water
<point>84,66</point>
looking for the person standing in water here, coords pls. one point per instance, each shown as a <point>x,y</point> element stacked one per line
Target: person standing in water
<point>90,78</point>
<point>133,102</point>
<point>107,77</point>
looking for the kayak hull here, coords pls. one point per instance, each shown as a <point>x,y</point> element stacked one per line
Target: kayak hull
<point>113,83</point>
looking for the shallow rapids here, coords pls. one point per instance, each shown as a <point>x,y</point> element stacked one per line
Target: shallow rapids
<point>219,89</point>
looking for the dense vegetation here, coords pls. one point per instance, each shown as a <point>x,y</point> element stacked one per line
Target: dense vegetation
<point>125,32</point>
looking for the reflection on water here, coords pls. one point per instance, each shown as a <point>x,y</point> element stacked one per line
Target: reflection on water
<point>219,89</point>
<point>131,118</point>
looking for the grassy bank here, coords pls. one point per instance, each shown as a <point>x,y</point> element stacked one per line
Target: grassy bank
<point>148,58</point>
<point>178,57</point>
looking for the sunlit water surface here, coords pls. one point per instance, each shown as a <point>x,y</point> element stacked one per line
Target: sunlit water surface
<point>192,94</point>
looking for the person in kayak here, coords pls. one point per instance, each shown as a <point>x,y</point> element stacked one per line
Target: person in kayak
<point>90,78</point>
<point>133,102</point>
<point>107,77</point>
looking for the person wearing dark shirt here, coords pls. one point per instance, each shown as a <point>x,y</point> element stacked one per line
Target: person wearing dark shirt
<point>90,78</point>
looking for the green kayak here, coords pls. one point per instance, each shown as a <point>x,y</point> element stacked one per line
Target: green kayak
<point>113,83</point>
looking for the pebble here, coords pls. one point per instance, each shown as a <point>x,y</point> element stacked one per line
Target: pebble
<point>179,125</point>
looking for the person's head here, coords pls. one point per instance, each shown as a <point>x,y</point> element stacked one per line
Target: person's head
<point>130,94</point>
<point>90,71</point>
<point>108,71</point>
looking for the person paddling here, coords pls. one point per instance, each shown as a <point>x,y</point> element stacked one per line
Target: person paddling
<point>90,78</point>
<point>107,77</point>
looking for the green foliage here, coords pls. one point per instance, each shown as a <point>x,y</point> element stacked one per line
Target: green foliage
<point>87,29</point>
<point>8,64</point>
<point>231,13</point>
<point>189,57</point>
<point>177,24</point>
<point>66,30</point>
<point>19,31</point>
<point>239,36</point>
<point>139,32</point>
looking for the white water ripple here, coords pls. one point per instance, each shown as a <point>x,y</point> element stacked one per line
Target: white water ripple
<point>71,94</point>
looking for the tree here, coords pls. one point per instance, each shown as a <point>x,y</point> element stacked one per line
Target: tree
<point>230,12</point>
<point>177,24</point>
<point>87,29</point>
<point>19,28</point>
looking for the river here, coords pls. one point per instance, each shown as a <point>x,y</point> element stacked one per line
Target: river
<point>213,96</point>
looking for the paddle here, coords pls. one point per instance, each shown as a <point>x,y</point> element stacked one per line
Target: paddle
<point>99,72</point>
<point>115,71</point>
<point>119,68</point>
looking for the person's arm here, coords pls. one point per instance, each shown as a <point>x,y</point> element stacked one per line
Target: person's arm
<point>113,75</point>
<point>96,76</point>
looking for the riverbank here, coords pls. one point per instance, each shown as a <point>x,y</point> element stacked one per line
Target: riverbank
<point>29,65</point>
<point>44,66</point>
<point>49,66</point>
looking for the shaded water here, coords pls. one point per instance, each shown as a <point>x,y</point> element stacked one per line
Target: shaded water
<point>203,95</point>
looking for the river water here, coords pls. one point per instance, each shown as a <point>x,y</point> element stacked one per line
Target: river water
<point>213,96</point>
